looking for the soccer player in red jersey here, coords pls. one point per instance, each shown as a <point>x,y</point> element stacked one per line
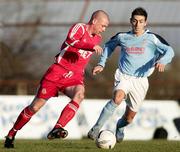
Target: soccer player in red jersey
<point>66,75</point>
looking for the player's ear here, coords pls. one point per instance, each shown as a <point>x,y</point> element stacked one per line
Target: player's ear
<point>94,21</point>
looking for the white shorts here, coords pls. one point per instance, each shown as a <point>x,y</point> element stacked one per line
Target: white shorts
<point>135,88</point>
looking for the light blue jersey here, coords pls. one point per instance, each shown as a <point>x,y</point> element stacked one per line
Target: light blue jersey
<point>138,54</point>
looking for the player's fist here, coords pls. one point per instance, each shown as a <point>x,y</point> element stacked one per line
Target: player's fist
<point>98,49</point>
<point>160,67</point>
<point>97,69</point>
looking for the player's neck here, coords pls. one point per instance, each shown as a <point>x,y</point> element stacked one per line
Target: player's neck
<point>89,29</point>
<point>139,33</point>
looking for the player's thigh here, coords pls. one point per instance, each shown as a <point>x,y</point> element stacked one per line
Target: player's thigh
<point>121,87</point>
<point>47,89</point>
<point>75,92</point>
<point>137,94</point>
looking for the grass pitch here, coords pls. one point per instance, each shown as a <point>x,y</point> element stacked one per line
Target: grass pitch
<point>87,145</point>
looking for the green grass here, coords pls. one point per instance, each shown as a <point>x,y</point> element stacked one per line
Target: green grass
<point>86,145</point>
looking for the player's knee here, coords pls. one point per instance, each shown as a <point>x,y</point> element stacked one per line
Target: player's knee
<point>79,96</point>
<point>117,100</point>
<point>118,97</point>
<point>34,108</point>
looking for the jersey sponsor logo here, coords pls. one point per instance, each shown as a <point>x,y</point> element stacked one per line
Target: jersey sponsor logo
<point>85,54</point>
<point>135,50</point>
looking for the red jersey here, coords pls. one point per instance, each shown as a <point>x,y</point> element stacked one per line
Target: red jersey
<point>77,48</point>
<point>70,62</point>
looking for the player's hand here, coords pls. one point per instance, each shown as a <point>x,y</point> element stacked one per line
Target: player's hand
<point>97,69</point>
<point>98,49</point>
<point>160,67</point>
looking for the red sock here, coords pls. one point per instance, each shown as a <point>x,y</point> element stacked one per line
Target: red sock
<point>67,114</point>
<point>22,119</point>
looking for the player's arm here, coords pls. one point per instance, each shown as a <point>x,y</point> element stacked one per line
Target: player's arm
<point>97,69</point>
<point>160,67</point>
<point>74,38</point>
<point>107,51</point>
<point>166,52</point>
<point>98,49</point>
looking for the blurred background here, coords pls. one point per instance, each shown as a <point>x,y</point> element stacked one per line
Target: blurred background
<point>31,32</point>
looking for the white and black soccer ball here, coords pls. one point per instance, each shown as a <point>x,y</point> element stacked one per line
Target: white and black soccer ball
<point>106,139</point>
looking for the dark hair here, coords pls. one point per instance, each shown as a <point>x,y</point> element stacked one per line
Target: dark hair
<point>139,11</point>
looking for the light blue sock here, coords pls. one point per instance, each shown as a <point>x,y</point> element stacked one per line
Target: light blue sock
<point>106,113</point>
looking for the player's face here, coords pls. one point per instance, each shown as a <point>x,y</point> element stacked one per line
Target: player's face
<point>100,25</point>
<point>138,23</point>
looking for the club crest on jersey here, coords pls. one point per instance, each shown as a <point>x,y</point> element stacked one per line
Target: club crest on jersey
<point>44,91</point>
<point>69,74</point>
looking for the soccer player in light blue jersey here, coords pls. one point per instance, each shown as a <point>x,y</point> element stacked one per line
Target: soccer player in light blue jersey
<point>141,52</point>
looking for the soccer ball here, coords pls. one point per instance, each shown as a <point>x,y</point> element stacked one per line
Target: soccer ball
<point>106,139</point>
